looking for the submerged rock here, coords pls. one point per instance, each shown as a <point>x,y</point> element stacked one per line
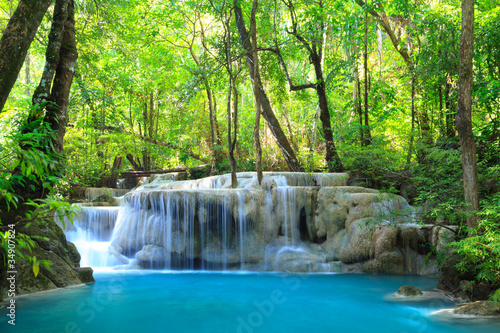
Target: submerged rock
<point>479,308</point>
<point>409,291</point>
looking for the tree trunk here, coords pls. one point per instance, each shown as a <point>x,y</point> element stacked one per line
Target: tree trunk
<point>16,40</point>
<point>332,157</point>
<point>52,56</point>
<point>441,122</point>
<point>464,112</point>
<point>27,65</point>
<point>232,159</point>
<point>357,105</point>
<point>267,111</point>
<point>134,164</point>
<point>289,128</point>
<point>231,87</point>
<point>367,136</point>
<point>256,86</point>
<point>57,114</point>
<point>312,143</point>
<point>412,134</point>
<point>448,100</point>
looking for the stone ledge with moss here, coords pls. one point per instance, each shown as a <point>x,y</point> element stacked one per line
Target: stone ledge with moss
<point>63,270</point>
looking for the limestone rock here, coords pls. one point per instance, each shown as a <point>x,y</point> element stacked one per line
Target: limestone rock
<point>154,254</point>
<point>409,291</point>
<point>479,308</point>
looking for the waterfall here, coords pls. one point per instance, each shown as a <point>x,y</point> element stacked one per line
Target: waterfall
<point>294,222</point>
<point>91,233</point>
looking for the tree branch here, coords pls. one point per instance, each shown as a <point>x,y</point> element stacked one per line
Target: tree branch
<point>384,22</point>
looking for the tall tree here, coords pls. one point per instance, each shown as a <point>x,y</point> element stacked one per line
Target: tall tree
<point>256,86</point>
<point>16,40</point>
<point>315,49</point>
<point>464,112</point>
<point>267,111</point>
<point>57,112</point>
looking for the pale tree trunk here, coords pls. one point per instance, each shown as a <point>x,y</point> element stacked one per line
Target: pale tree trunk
<point>16,40</point>
<point>256,85</point>
<point>267,111</point>
<point>464,112</point>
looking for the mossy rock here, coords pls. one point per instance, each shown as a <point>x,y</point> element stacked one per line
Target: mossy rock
<point>50,245</point>
<point>85,274</point>
<point>73,254</point>
<point>479,308</point>
<point>409,291</point>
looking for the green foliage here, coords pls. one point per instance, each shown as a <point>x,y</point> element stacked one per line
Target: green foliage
<point>480,251</point>
<point>376,166</point>
<point>438,183</point>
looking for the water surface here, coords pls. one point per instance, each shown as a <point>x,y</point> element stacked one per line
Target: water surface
<point>185,302</point>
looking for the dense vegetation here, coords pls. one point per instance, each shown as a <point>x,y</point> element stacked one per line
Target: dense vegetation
<point>368,88</point>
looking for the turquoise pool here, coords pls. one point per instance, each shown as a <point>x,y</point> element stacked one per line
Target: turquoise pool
<point>185,302</point>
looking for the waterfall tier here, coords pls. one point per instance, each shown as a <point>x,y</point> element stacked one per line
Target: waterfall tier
<point>294,222</point>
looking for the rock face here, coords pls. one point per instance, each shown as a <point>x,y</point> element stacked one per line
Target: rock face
<point>479,308</point>
<point>409,291</point>
<point>64,261</point>
<point>294,222</point>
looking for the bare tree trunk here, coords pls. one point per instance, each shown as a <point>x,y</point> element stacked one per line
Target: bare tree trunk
<point>256,86</point>
<point>16,40</point>
<point>267,111</point>
<point>464,112</point>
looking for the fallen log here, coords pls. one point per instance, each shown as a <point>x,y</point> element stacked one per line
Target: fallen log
<point>133,174</point>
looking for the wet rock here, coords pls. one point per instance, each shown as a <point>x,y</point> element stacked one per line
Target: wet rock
<point>73,253</point>
<point>409,291</point>
<point>479,308</point>
<point>85,274</point>
<point>52,247</point>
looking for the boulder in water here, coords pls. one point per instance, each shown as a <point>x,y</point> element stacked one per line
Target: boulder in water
<point>479,308</point>
<point>409,291</point>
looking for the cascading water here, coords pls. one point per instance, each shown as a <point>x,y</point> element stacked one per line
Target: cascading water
<point>292,222</point>
<point>91,233</point>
